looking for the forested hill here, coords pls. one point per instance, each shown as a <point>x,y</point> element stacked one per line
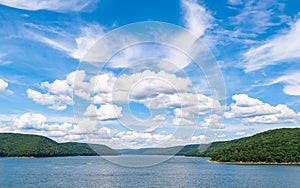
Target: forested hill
<point>273,146</point>
<point>25,145</point>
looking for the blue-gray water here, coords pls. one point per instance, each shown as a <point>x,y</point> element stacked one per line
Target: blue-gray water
<point>176,172</point>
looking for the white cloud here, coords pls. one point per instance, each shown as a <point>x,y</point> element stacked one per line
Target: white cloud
<point>3,61</point>
<point>56,102</point>
<point>179,121</point>
<point>235,2</point>
<point>87,125</point>
<point>222,135</point>
<point>57,87</point>
<point>58,94</point>
<point>76,45</point>
<point>30,120</point>
<point>213,122</point>
<point>240,133</point>
<point>148,84</point>
<point>105,112</point>
<point>4,86</point>
<point>291,83</point>
<point>196,18</point>
<point>254,111</point>
<point>199,139</point>
<point>53,5</point>
<point>88,37</point>
<point>281,48</point>
<point>256,17</point>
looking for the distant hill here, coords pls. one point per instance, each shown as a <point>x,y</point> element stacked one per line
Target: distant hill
<point>25,145</point>
<point>273,146</point>
<point>176,150</point>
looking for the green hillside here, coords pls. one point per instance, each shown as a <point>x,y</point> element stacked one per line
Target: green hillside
<point>207,149</point>
<point>274,146</point>
<point>24,145</point>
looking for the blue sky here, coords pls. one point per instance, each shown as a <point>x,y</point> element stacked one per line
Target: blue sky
<point>46,89</point>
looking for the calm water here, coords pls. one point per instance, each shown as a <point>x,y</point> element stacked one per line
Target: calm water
<point>176,172</point>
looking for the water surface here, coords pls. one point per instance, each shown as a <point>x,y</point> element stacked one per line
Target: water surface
<point>175,172</point>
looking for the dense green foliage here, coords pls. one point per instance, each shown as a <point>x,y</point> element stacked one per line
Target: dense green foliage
<point>207,149</point>
<point>23,145</point>
<point>280,146</point>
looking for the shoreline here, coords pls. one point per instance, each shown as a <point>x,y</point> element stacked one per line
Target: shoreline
<point>255,163</point>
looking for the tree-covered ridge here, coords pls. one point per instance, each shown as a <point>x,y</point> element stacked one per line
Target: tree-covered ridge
<point>24,145</point>
<point>274,146</point>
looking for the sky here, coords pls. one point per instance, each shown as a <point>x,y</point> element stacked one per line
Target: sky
<point>53,81</point>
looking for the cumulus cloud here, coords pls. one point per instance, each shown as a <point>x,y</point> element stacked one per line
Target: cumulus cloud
<point>213,121</point>
<point>53,5</point>
<point>30,120</point>
<point>104,112</point>
<point>35,123</point>
<point>179,121</point>
<point>148,84</point>
<point>254,111</point>
<point>56,102</point>
<point>57,95</point>
<point>87,125</point>
<point>4,86</point>
<point>281,48</point>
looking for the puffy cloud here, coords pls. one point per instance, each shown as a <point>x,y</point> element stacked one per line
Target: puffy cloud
<point>58,94</point>
<point>87,125</point>
<point>291,83</point>
<point>281,48</point>
<point>196,18</point>
<point>105,112</point>
<point>179,121</point>
<point>30,120</point>
<point>56,102</point>
<point>57,87</point>
<point>250,110</point>
<point>147,84</point>
<point>214,122</point>
<point>4,86</point>
<point>53,5</point>
<point>34,123</point>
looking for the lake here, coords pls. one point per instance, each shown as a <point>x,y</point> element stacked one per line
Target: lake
<point>175,172</point>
